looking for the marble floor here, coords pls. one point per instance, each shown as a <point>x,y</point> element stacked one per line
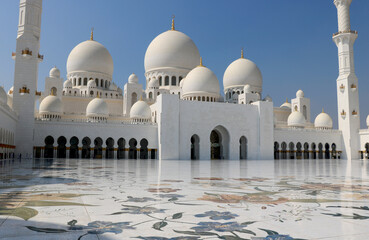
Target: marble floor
<point>177,200</point>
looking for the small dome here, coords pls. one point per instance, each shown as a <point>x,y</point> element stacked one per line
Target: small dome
<point>154,83</point>
<point>3,96</point>
<point>90,56</point>
<point>323,120</point>
<point>91,84</point>
<point>299,94</point>
<point>367,121</point>
<point>51,105</point>
<point>247,88</point>
<point>171,49</point>
<point>268,99</point>
<point>133,78</point>
<point>97,107</point>
<point>54,73</point>
<point>140,110</point>
<point>113,87</point>
<point>296,119</point>
<point>241,72</point>
<point>201,80</point>
<point>10,92</point>
<point>68,84</point>
<point>286,105</point>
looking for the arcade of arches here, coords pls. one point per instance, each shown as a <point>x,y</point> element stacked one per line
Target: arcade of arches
<point>7,146</point>
<point>95,148</point>
<point>306,151</point>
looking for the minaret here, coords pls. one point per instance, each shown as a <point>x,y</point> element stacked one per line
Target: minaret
<point>347,82</point>
<point>27,58</point>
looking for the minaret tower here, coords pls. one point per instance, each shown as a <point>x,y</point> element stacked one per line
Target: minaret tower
<point>347,82</point>
<point>27,58</point>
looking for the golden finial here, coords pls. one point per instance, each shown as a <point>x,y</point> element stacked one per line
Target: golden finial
<point>52,92</point>
<point>141,98</point>
<point>173,16</point>
<point>92,34</point>
<point>201,62</point>
<point>242,53</point>
<point>98,95</point>
<point>322,110</point>
<point>287,100</point>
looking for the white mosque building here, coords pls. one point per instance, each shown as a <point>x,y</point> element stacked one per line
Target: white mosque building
<point>179,114</point>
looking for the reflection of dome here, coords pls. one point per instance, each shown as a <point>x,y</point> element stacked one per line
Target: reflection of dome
<point>54,72</point>
<point>241,72</point>
<point>68,84</point>
<point>296,119</point>
<point>51,105</point>
<point>324,121</point>
<point>154,83</point>
<point>91,84</point>
<point>90,56</point>
<point>3,96</point>
<point>171,49</point>
<point>201,80</point>
<point>140,111</point>
<point>299,94</point>
<point>96,108</point>
<point>133,78</point>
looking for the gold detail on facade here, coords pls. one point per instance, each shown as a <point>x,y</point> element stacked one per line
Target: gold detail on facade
<point>354,113</point>
<point>342,87</point>
<point>92,34</point>
<point>353,86</point>
<point>24,90</point>
<point>242,53</point>
<point>38,93</point>
<point>343,113</point>
<point>201,62</point>
<point>26,52</point>
<point>40,56</point>
<point>173,27</point>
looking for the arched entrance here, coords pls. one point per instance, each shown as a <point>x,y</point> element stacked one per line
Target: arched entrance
<point>219,143</point>
<point>121,148</point>
<point>306,151</point>
<point>292,150</point>
<point>62,149</point>
<point>109,153</point>
<point>299,151</point>
<point>243,148</point>
<point>327,153</point>
<point>73,151</point>
<point>144,152</point>
<point>334,151</point>
<point>86,150</point>
<point>132,149</point>
<point>98,148</point>
<point>320,151</point>
<point>49,147</point>
<point>195,147</point>
<point>284,150</point>
<point>313,149</point>
<point>276,150</point>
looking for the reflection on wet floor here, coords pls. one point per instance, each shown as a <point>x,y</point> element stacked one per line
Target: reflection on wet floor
<point>151,199</point>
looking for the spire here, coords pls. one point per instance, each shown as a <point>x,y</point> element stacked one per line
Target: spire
<point>173,27</point>
<point>201,62</point>
<point>92,34</point>
<point>322,110</point>
<point>97,95</point>
<point>52,92</point>
<point>287,100</point>
<point>242,53</point>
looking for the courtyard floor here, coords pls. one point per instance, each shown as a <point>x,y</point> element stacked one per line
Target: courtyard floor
<point>178,200</point>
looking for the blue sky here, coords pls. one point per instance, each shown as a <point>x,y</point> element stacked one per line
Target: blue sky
<point>289,40</point>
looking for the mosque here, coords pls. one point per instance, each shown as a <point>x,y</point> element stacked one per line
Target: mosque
<point>179,114</point>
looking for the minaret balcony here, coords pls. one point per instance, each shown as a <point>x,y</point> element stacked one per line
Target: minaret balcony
<point>343,114</point>
<point>24,90</point>
<point>354,113</point>
<point>348,31</point>
<point>353,87</point>
<point>38,93</point>
<point>40,57</point>
<point>14,55</point>
<point>342,88</point>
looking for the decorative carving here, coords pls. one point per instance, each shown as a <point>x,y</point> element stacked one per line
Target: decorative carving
<point>26,52</point>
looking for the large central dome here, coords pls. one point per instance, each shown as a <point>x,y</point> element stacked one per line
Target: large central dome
<point>171,49</point>
<point>90,56</point>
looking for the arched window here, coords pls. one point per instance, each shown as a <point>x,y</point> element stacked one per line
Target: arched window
<point>98,148</point>
<point>160,81</point>
<point>73,151</point>
<point>306,150</point>
<point>102,83</point>
<point>174,81</point>
<point>133,98</point>
<point>203,99</point>
<point>61,149</point>
<point>109,154</point>
<point>144,152</point>
<point>320,151</point>
<point>49,147</point>
<point>86,149</point>
<point>243,148</point>
<point>85,82</point>
<point>150,95</point>
<point>74,82</point>
<point>304,111</point>
<point>334,151</point>
<point>54,91</point>
<point>195,147</point>
<point>166,80</point>
<point>79,81</point>
<point>132,148</point>
<point>276,150</point>
<point>121,148</point>
<point>292,150</point>
<point>97,82</point>
<point>313,149</point>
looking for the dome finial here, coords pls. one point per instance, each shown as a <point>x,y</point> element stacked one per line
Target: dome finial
<point>52,92</point>
<point>322,110</point>
<point>92,34</point>
<point>97,95</point>
<point>141,98</point>
<point>173,27</point>
<point>201,62</point>
<point>287,100</point>
<point>242,53</point>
